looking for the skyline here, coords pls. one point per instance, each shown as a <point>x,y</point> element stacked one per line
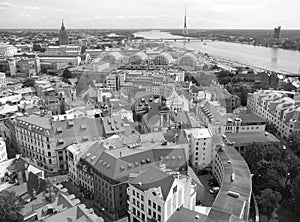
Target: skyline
<point>167,14</point>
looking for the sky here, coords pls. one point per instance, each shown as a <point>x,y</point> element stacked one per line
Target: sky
<point>150,14</point>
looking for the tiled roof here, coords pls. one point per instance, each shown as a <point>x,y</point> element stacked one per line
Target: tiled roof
<point>40,121</point>
<point>113,124</point>
<point>76,130</point>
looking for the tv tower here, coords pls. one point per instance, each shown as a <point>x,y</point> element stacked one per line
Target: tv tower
<point>185,30</point>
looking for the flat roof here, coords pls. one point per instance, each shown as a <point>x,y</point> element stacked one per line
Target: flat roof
<point>251,118</point>
<point>251,137</point>
<point>200,133</point>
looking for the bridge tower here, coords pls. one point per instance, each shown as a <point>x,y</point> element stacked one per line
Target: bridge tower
<point>185,29</point>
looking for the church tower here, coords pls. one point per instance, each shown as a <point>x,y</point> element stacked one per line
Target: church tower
<point>185,30</point>
<point>63,36</point>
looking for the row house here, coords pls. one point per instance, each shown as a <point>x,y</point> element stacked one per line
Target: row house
<point>279,108</point>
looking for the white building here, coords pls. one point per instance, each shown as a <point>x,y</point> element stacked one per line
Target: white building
<point>2,80</point>
<point>155,194</point>
<point>202,150</point>
<point>75,152</point>
<point>3,152</point>
<point>8,50</point>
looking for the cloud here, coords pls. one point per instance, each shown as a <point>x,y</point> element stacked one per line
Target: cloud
<point>61,10</point>
<point>44,17</point>
<point>8,4</point>
<point>100,17</point>
<point>31,7</point>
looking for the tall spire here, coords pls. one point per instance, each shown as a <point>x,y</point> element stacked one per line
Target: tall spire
<point>185,30</point>
<point>62,25</point>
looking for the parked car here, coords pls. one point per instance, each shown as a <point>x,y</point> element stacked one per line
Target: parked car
<point>214,190</point>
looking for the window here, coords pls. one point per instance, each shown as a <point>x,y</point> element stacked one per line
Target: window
<point>149,203</point>
<point>49,153</point>
<point>149,212</point>
<point>133,201</point>
<point>138,195</point>
<point>159,208</point>
<point>142,197</point>
<point>134,211</point>
<point>142,207</point>
<point>154,214</point>
<point>154,205</point>
<point>50,161</point>
<point>158,218</point>
<point>133,192</point>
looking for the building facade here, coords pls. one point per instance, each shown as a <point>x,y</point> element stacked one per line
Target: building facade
<point>3,151</point>
<point>156,195</point>
<point>279,108</point>
<point>2,80</point>
<point>8,50</point>
<point>201,147</point>
<point>45,138</point>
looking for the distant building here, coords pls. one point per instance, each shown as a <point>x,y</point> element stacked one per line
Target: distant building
<point>7,50</point>
<point>2,80</point>
<point>277,32</point>
<point>63,36</point>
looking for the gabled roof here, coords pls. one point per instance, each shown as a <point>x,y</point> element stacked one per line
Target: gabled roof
<point>154,178</point>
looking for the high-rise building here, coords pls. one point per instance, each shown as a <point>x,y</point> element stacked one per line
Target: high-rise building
<point>277,32</point>
<point>63,36</point>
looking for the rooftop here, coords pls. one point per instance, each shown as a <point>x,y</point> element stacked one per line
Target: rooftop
<point>251,137</point>
<point>226,206</point>
<point>251,118</point>
<point>200,133</point>
<point>40,121</point>
<point>154,178</point>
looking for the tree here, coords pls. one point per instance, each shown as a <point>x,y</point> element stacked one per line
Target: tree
<point>29,82</point>
<point>9,206</point>
<point>271,128</point>
<point>268,201</point>
<point>67,74</point>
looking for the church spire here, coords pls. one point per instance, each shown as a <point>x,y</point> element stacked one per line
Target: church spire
<point>62,25</point>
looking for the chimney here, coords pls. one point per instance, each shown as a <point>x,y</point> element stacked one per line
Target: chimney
<point>69,219</point>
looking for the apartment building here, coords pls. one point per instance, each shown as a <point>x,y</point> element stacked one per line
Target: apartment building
<point>45,138</point>
<point>108,167</point>
<point>75,152</point>
<point>215,117</point>
<point>234,177</point>
<point>279,108</point>
<point>156,193</point>
<point>201,149</point>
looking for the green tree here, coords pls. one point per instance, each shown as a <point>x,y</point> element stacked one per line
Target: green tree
<point>270,127</point>
<point>9,206</point>
<point>268,201</point>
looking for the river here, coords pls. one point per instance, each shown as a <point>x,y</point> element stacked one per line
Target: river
<point>279,60</point>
